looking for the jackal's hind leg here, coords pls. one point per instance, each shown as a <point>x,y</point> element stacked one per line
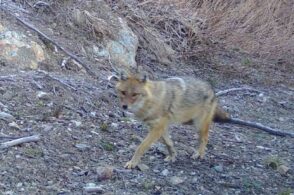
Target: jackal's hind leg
<point>203,136</point>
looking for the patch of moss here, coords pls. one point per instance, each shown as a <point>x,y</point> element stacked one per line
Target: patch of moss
<point>273,162</point>
<point>104,127</point>
<point>33,152</point>
<point>108,146</point>
<point>286,192</point>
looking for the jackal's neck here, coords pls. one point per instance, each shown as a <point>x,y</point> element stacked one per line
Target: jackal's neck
<point>155,90</point>
<point>152,107</point>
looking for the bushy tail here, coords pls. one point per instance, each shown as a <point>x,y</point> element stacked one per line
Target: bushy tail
<point>221,116</point>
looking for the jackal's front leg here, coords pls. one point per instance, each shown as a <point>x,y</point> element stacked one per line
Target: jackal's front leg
<point>154,134</point>
<point>170,147</point>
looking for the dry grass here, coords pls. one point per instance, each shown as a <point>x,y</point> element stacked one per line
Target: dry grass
<point>263,28</point>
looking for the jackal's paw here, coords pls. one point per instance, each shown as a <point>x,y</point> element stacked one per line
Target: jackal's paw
<point>131,164</point>
<point>170,159</point>
<point>198,155</point>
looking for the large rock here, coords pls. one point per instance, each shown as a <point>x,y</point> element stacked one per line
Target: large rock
<point>19,50</point>
<point>115,40</point>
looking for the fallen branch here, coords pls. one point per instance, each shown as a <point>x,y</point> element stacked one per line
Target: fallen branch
<point>22,140</point>
<point>9,137</point>
<point>261,127</point>
<point>88,70</point>
<point>224,92</point>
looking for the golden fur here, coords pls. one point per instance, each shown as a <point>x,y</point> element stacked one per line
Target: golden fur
<point>160,103</point>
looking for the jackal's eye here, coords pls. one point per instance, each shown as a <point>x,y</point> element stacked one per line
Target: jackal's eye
<point>135,95</point>
<point>123,92</point>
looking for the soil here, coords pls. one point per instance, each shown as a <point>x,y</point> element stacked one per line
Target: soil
<point>82,126</point>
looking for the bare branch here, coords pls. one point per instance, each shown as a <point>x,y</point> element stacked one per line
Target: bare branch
<point>261,127</point>
<point>22,140</point>
<point>224,92</point>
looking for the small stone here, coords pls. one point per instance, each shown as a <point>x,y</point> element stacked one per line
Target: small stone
<point>114,125</point>
<point>194,180</point>
<point>82,147</point>
<point>43,95</point>
<point>91,187</point>
<point>218,168</point>
<point>47,127</point>
<point>104,173</point>
<point>14,125</point>
<point>174,180</point>
<point>18,185</point>
<point>143,167</point>
<point>283,169</point>
<point>193,173</point>
<point>156,171</point>
<point>165,172</point>
<point>77,123</point>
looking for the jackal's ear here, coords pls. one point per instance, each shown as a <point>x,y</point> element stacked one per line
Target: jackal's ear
<point>123,75</point>
<point>113,78</point>
<point>143,77</point>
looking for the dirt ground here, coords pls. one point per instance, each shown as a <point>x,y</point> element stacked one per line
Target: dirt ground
<point>83,129</point>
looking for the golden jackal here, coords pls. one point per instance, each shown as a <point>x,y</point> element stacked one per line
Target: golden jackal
<point>159,103</point>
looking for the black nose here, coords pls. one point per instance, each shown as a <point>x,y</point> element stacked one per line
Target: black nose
<point>125,107</point>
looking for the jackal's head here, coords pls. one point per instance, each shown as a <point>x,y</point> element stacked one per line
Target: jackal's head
<point>132,91</point>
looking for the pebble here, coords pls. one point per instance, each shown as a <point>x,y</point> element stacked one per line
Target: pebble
<point>14,125</point>
<point>77,123</point>
<point>218,168</point>
<point>165,172</point>
<point>143,167</point>
<point>104,173</point>
<point>114,125</point>
<point>92,187</point>
<point>193,173</point>
<point>194,180</point>
<point>82,147</point>
<point>283,169</point>
<point>43,95</point>
<point>174,180</point>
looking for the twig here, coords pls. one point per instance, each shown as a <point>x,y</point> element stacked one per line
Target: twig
<point>261,127</point>
<point>58,80</point>
<point>22,140</point>
<point>88,70</point>
<point>224,92</point>
<point>229,185</point>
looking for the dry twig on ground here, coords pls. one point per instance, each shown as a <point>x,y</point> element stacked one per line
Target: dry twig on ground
<point>22,140</point>
<point>224,92</point>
